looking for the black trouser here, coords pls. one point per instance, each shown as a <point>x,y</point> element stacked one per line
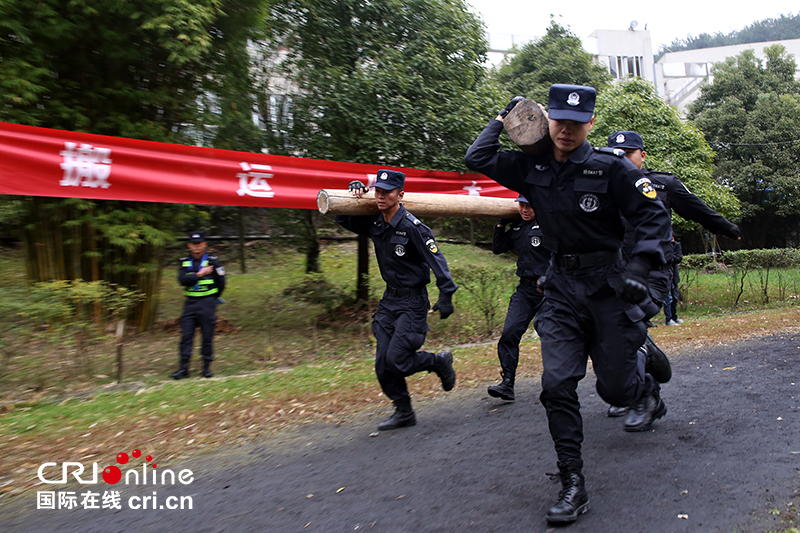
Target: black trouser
<point>581,315</point>
<point>521,309</point>
<point>659,284</point>
<point>202,313</point>
<point>400,325</point>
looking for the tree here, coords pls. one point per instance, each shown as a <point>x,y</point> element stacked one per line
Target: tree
<point>396,83</point>
<point>128,69</point>
<point>671,144</point>
<point>558,57</point>
<point>751,115</point>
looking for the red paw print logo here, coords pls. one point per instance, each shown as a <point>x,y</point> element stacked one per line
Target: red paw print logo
<point>112,474</point>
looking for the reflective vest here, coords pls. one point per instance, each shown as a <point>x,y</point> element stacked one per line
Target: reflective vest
<point>204,286</point>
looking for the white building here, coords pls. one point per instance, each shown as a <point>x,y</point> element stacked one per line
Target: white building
<point>678,76</point>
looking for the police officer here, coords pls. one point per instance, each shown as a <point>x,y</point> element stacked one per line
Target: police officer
<point>590,307</point>
<point>524,236</point>
<point>406,252</point>
<point>674,195</point>
<point>203,279</point>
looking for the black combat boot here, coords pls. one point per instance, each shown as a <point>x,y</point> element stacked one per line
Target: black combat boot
<point>207,369</point>
<point>615,412</point>
<point>443,366</point>
<point>641,415</point>
<point>403,416</point>
<point>505,389</point>
<point>573,499</point>
<point>656,364</point>
<point>182,372</point>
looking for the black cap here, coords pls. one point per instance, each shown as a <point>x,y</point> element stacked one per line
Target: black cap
<point>390,179</point>
<point>626,139</point>
<point>571,102</point>
<point>197,236</point>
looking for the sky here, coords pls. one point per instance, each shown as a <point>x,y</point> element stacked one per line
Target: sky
<point>666,21</point>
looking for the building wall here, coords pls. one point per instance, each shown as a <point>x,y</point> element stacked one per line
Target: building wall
<point>680,75</point>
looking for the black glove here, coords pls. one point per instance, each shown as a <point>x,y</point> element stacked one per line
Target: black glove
<point>505,221</point>
<point>356,185</point>
<point>734,233</point>
<point>444,305</point>
<point>510,106</point>
<point>540,283</point>
<point>633,286</point>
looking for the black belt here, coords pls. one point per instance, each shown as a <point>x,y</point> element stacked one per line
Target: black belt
<point>528,282</point>
<point>405,291</point>
<point>575,261</point>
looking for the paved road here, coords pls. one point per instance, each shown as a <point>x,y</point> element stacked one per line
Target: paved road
<point>726,455</point>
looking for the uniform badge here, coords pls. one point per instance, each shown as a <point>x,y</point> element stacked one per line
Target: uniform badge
<point>536,240</point>
<point>646,188</point>
<point>589,202</point>
<point>220,271</point>
<point>573,99</point>
<point>400,250</point>
<point>620,139</point>
<point>542,168</point>
<point>431,244</point>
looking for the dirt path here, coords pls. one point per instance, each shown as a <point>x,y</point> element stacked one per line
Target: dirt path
<point>724,459</point>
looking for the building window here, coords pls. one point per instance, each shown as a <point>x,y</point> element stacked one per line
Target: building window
<point>626,66</point>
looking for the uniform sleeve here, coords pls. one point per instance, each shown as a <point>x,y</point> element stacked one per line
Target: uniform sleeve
<point>506,167</point>
<point>640,206</point>
<point>360,224</point>
<point>501,240</point>
<point>219,276</point>
<point>433,256</point>
<point>186,278</point>
<point>693,208</point>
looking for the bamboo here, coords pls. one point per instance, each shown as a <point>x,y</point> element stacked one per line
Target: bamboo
<point>342,202</point>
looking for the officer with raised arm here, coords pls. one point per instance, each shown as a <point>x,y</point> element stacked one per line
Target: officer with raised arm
<point>590,308</point>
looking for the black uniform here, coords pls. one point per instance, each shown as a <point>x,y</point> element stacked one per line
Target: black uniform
<point>406,253</point>
<point>533,259</point>
<point>579,203</point>
<point>200,308</point>
<point>674,195</point>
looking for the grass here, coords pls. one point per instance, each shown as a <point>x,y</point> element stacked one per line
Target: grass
<point>285,363</point>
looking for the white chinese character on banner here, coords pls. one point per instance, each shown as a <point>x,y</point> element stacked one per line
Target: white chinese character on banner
<point>67,500</point>
<point>111,500</point>
<point>253,181</point>
<point>85,165</point>
<point>90,500</point>
<point>474,189</point>
<point>46,499</point>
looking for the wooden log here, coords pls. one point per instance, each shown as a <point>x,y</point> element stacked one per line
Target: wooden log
<point>341,202</point>
<point>527,126</point>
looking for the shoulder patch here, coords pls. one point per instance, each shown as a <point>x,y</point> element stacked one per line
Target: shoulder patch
<point>646,188</point>
<point>431,244</point>
<point>606,150</point>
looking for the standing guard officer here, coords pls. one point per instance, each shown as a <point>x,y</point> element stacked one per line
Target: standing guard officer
<point>406,253</point>
<point>590,307</point>
<point>674,195</point>
<point>203,279</point>
<point>524,236</point>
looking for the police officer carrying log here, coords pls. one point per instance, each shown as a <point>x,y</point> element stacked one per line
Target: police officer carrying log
<point>406,252</point>
<point>203,279</point>
<point>524,236</point>
<point>674,195</point>
<point>590,307</point>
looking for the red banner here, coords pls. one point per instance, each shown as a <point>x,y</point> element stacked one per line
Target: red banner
<point>64,164</point>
